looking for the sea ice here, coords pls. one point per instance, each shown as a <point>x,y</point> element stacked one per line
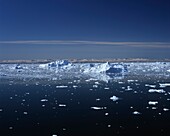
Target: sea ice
<point>114,98</point>
<point>44,100</point>
<point>98,108</point>
<point>62,86</point>
<point>165,109</point>
<point>164,85</point>
<point>152,102</point>
<point>152,86</point>
<point>62,105</point>
<point>156,91</point>
<point>136,113</point>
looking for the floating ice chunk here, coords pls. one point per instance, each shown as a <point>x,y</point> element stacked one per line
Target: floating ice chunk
<point>168,70</point>
<point>165,109</point>
<point>164,85</point>
<point>95,86</point>
<point>106,114</point>
<point>108,126</point>
<point>128,88</point>
<point>98,108</point>
<point>25,113</point>
<point>152,102</point>
<point>97,83</point>
<point>62,105</point>
<point>62,86</point>
<point>154,108</point>
<point>44,100</point>
<point>136,113</point>
<point>0,110</point>
<point>114,98</point>
<point>156,91</point>
<point>152,86</point>
<point>106,88</point>
<point>54,135</point>
<point>130,80</point>
<point>75,86</point>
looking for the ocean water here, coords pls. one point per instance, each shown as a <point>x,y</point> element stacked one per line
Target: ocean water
<point>130,104</point>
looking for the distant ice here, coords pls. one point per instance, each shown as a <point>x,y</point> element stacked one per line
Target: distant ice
<point>152,102</point>
<point>152,86</point>
<point>62,105</point>
<point>44,100</point>
<point>114,98</point>
<point>136,113</point>
<point>98,108</point>
<point>62,86</point>
<point>165,109</point>
<point>164,85</point>
<point>156,91</point>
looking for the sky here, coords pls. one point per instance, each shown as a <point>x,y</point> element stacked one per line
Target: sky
<point>52,29</point>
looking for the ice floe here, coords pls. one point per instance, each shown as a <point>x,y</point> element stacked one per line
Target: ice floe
<point>44,100</point>
<point>98,108</point>
<point>114,98</point>
<point>62,105</point>
<point>165,109</point>
<point>136,113</point>
<point>152,86</point>
<point>62,86</point>
<point>164,84</point>
<point>156,91</point>
<point>152,102</point>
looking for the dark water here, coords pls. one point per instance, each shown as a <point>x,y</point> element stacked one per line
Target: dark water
<point>35,107</point>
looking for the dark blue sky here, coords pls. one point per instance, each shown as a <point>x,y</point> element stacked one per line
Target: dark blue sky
<point>84,20</point>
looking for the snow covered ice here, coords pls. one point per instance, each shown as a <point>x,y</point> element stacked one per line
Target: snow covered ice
<point>63,69</point>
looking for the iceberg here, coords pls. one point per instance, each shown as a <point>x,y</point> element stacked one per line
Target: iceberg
<point>85,68</point>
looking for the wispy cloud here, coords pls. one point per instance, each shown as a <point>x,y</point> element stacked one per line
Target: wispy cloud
<point>77,42</point>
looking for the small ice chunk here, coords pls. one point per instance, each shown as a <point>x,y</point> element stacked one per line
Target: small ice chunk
<point>0,110</point>
<point>62,105</point>
<point>75,86</point>
<point>106,88</point>
<point>130,80</point>
<point>62,86</point>
<point>164,85</point>
<point>97,83</point>
<point>106,114</point>
<point>95,86</point>
<point>25,113</point>
<point>152,86</point>
<point>152,102</point>
<point>10,128</point>
<point>136,113</point>
<point>54,135</point>
<point>114,98</point>
<point>156,91</point>
<point>165,109</point>
<point>44,100</point>
<point>154,108</point>
<point>108,126</point>
<point>128,88</point>
<point>98,108</point>
<point>168,70</point>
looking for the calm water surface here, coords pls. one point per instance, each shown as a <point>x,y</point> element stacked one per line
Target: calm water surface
<point>83,107</point>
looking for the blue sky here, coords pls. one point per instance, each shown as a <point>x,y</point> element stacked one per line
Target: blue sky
<point>143,26</point>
